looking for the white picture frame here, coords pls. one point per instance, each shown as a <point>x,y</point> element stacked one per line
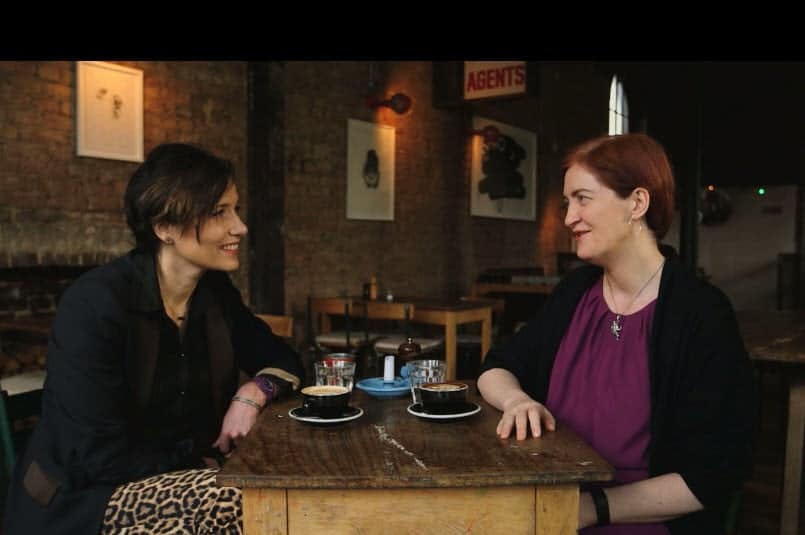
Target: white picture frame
<point>370,171</point>
<point>496,195</point>
<point>109,111</point>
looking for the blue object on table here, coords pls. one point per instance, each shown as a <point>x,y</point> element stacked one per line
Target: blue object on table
<point>374,386</point>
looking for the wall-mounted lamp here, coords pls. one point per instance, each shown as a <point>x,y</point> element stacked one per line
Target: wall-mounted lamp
<point>490,134</point>
<point>399,102</point>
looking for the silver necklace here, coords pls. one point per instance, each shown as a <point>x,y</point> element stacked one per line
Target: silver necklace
<point>615,327</point>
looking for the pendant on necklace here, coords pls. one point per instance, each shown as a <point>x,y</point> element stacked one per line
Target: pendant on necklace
<point>616,327</point>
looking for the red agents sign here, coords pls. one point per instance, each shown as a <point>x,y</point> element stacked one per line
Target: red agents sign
<point>483,79</point>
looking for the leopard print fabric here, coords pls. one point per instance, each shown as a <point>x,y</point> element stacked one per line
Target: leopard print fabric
<point>181,502</point>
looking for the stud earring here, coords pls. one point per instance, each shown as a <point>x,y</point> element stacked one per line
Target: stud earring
<point>168,241</point>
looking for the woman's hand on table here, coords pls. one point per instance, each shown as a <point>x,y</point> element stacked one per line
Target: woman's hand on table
<point>521,413</point>
<point>239,418</point>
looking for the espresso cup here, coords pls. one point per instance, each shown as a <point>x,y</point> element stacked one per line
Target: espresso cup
<point>325,401</point>
<point>443,396</point>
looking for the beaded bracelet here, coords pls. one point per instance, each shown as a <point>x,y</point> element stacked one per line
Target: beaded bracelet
<point>266,386</point>
<point>248,401</point>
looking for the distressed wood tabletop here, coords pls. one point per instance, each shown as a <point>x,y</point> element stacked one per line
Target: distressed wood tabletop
<point>389,448</point>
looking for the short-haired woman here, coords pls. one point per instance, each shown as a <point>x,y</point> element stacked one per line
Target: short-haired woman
<point>142,397</point>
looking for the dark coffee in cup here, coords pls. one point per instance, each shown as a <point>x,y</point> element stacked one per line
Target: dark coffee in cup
<point>325,401</point>
<point>443,396</point>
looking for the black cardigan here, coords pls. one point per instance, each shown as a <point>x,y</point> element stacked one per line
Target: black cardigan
<point>102,355</point>
<point>703,395</point>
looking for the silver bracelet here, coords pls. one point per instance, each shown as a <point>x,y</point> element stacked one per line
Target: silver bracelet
<point>248,401</point>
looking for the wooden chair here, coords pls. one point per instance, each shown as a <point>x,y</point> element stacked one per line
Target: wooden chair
<point>469,344</point>
<point>498,308</point>
<point>282,326</point>
<point>387,344</point>
<point>320,310</point>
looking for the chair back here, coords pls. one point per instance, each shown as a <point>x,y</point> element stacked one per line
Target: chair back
<point>386,310</point>
<point>321,308</point>
<point>282,326</point>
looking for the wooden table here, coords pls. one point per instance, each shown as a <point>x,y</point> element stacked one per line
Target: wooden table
<point>449,314</point>
<point>777,338</point>
<point>391,472</point>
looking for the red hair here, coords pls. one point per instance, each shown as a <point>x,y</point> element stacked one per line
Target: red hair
<point>625,162</point>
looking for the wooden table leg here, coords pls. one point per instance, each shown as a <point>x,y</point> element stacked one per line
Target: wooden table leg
<point>450,346</point>
<point>486,333</point>
<point>265,511</point>
<point>792,477</point>
<point>557,510</point>
<point>326,325</point>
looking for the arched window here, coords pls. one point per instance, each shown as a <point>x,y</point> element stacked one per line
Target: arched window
<point>618,108</point>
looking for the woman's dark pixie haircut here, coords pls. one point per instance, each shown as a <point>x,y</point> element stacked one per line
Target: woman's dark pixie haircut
<point>177,184</point>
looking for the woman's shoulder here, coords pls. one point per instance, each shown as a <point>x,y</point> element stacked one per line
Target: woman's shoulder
<point>108,282</point>
<point>695,289</point>
<point>684,280</point>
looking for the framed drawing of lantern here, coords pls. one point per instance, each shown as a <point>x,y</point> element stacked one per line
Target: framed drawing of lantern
<point>370,171</point>
<point>504,171</point>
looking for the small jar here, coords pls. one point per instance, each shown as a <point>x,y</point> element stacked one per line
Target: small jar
<point>407,351</point>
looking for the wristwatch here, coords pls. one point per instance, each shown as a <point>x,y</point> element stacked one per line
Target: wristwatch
<point>266,386</point>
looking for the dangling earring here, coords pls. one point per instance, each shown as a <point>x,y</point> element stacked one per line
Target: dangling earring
<point>629,221</point>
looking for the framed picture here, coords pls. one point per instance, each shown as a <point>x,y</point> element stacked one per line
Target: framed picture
<point>109,111</point>
<point>370,171</point>
<point>504,171</point>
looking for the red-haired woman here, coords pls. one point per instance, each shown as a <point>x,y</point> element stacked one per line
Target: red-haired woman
<point>634,353</point>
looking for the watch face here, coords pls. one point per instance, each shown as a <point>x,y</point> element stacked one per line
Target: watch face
<point>266,386</point>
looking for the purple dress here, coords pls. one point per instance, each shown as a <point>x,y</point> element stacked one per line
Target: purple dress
<point>600,388</point>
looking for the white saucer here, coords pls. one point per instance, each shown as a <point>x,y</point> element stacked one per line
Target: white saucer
<point>351,413</point>
<point>417,410</point>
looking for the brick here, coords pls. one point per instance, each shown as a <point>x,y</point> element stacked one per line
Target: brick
<point>49,71</point>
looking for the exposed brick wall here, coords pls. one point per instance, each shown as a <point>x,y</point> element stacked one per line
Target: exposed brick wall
<point>570,106</point>
<point>57,208</point>
<point>325,252</point>
<point>433,247</point>
<point>60,209</point>
<point>29,291</point>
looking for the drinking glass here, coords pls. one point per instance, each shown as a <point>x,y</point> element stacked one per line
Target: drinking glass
<point>340,372</point>
<point>424,371</point>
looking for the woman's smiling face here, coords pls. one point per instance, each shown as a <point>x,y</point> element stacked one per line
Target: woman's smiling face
<point>599,219</point>
<point>219,236</point>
